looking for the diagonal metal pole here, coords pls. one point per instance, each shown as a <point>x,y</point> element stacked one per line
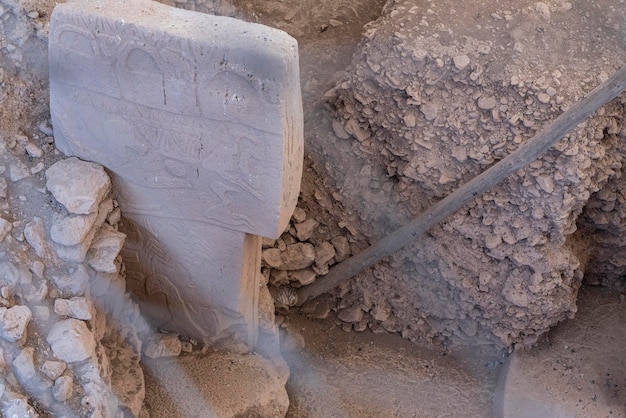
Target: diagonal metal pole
<point>519,158</point>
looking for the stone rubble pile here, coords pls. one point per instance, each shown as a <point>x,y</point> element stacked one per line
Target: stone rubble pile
<point>68,330</point>
<point>429,103</point>
<point>301,255</point>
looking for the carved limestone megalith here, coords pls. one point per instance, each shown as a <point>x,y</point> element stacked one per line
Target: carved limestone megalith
<point>198,118</point>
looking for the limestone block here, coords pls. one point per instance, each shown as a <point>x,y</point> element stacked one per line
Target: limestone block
<point>24,366</point>
<point>73,282</point>
<point>77,253</point>
<point>13,323</point>
<point>77,307</point>
<point>63,388</point>
<point>35,235</point>
<point>72,229</point>
<point>71,341</point>
<point>53,369</point>
<point>199,120</point>
<point>79,197</point>
<point>105,248</point>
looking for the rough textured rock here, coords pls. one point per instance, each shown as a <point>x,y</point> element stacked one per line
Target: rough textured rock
<point>71,341</point>
<point>430,105</point>
<point>13,323</point>
<point>81,197</point>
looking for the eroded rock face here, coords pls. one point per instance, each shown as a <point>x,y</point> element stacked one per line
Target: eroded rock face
<point>431,104</point>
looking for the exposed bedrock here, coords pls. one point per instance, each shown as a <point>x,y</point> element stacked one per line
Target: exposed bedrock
<point>433,98</point>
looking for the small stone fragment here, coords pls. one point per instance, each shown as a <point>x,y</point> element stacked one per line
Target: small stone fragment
<point>430,110</point>
<point>461,62</point>
<point>13,323</point>
<point>493,241</point>
<point>543,97</point>
<point>486,102</point>
<point>74,282</point>
<point>78,185</point>
<point>292,340</point>
<point>9,274</point>
<point>304,276</point>
<point>3,187</point>
<point>5,228</point>
<point>272,257</point>
<point>163,345</point>
<point>305,229</point>
<point>324,253</point>
<point>24,365</point>
<point>33,150</point>
<point>63,388</point>
<point>53,369</point>
<point>351,315</point>
<point>19,407</point>
<point>546,183</point>
<point>36,236</point>
<point>73,229</point>
<point>71,341</point>
<point>318,308</point>
<point>381,311</point>
<point>342,248</point>
<point>339,130</point>
<point>18,171</point>
<point>297,256</point>
<point>105,248</point>
<point>77,307</point>
<point>299,215</point>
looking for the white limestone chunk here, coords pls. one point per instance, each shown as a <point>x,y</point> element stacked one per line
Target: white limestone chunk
<point>105,248</point>
<point>78,185</point>
<point>13,323</point>
<point>71,341</point>
<point>77,307</point>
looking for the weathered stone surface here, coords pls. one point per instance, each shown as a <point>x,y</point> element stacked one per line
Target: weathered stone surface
<point>35,235</point>
<point>71,341</point>
<point>63,388</point>
<point>5,228</point>
<point>72,229</point>
<point>77,307</point>
<point>24,365</point>
<point>295,257</point>
<point>304,276</point>
<point>13,323</point>
<point>305,229</point>
<point>342,248</point>
<point>9,274</point>
<point>77,253</point>
<point>324,253</point>
<point>53,369</point>
<point>73,282</point>
<point>79,197</point>
<point>163,345</point>
<point>149,100</point>
<point>105,248</point>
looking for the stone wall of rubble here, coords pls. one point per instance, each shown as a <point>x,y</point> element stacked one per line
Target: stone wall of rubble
<point>68,334</point>
<point>429,103</point>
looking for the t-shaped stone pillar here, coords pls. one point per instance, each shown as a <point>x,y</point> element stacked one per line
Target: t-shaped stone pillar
<point>199,120</point>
